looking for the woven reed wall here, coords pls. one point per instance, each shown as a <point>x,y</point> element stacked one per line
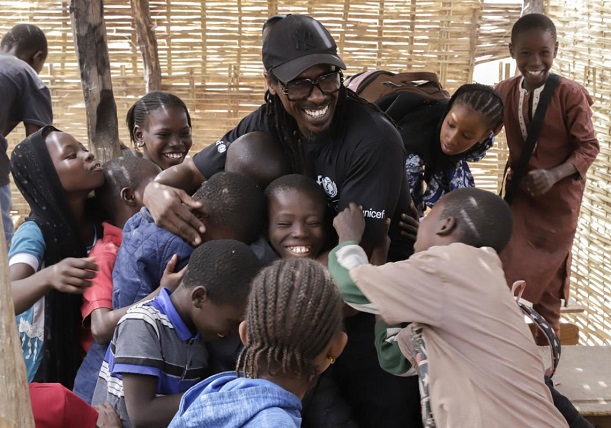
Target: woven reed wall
<point>210,51</point>
<point>585,56</point>
<point>210,57</point>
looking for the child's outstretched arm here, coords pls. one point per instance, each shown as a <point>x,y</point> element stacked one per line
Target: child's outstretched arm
<point>400,291</point>
<point>71,275</point>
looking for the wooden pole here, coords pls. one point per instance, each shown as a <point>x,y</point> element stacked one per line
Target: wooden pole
<point>92,53</point>
<point>148,44</point>
<point>15,406</point>
<point>532,6</point>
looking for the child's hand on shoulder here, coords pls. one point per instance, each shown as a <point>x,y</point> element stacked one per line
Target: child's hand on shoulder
<point>170,278</point>
<point>72,275</point>
<point>540,181</point>
<point>350,223</point>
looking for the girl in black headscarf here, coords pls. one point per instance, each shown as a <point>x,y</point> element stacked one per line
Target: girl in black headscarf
<point>441,139</point>
<point>48,266</point>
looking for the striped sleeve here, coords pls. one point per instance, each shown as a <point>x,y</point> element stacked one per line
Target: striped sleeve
<point>137,344</point>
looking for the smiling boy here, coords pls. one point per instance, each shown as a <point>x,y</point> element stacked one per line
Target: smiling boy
<point>546,204</point>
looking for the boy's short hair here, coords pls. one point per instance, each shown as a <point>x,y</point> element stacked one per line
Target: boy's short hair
<point>298,182</point>
<point>24,37</point>
<point>259,156</point>
<point>224,268</point>
<point>233,201</point>
<point>483,218</point>
<point>532,21</point>
<point>125,171</point>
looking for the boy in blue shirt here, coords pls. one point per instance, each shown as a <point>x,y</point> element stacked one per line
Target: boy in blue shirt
<point>158,350</point>
<point>233,207</point>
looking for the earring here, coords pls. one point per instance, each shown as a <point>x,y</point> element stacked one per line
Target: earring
<point>331,360</point>
<point>140,143</point>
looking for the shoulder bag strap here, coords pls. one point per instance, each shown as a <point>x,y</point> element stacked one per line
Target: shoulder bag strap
<point>531,139</point>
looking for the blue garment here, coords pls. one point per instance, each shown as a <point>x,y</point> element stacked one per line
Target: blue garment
<point>29,247</point>
<point>87,374</point>
<point>144,253</point>
<point>6,204</point>
<point>442,181</point>
<point>227,401</point>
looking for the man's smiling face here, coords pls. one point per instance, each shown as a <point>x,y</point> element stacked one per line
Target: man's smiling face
<point>315,113</point>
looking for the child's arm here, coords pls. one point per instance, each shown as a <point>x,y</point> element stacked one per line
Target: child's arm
<point>578,120</point>
<point>70,275</point>
<point>400,292</point>
<point>104,320</point>
<point>341,276</point>
<point>145,409</point>
<point>389,355</point>
<point>540,181</point>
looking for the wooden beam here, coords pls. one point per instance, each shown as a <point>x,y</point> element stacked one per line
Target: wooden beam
<point>15,406</point>
<point>533,6</point>
<point>92,53</point>
<point>148,44</point>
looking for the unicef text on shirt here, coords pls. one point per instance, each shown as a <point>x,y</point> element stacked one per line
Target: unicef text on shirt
<point>373,214</point>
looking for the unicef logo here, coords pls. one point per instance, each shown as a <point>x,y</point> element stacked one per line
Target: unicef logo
<point>221,147</point>
<point>329,186</point>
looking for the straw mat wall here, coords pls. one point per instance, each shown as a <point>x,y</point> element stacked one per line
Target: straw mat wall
<point>210,51</point>
<point>585,56</point>
<point>210,57</point>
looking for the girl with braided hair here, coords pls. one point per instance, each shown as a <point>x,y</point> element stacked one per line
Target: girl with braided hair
<point>49,268</point>
<point>449,135</point>
<point>292,332</point>
<point>159,124</point>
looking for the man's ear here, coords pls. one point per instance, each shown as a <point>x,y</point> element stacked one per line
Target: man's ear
<point>270,84</point>
<point>242,329</point>
<point>511,51</point>
<point>448,225</point>
<point>199,296</point>
<point>555,49</point>
<point>128,196</point>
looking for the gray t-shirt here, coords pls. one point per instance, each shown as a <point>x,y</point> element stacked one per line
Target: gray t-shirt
<point>25,98</point>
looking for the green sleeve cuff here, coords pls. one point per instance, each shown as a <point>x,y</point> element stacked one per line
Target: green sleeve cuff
<point>390,357</point>
<point>341,276</point>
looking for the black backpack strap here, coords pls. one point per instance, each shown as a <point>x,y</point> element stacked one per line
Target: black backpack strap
<point>531,139</point>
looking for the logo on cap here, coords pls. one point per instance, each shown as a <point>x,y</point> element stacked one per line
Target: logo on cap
<point>304,41</point>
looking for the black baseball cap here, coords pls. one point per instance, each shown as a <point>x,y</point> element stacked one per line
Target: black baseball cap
<point>296,43</point>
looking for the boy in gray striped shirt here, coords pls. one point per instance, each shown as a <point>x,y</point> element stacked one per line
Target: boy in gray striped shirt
<point>158,349</point>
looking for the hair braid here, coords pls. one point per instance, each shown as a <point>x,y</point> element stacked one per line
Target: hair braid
<point>482,99</point>
<point>149,103</point>
<point>293,312</point>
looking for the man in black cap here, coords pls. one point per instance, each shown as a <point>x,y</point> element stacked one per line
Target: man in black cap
<point>351,149</point>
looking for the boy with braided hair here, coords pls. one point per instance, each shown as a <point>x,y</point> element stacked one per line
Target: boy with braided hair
<point>292,332</point>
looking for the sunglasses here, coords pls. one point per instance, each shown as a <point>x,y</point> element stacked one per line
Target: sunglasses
<point>301,89</point>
